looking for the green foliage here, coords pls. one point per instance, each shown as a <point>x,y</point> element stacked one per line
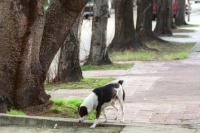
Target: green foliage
<point>143,55</point>
<point>59,102</point>
<point>16,112</point>
<point>173,56</point>
<point>188,25</point>
<point>114,66</point>
<point>92,116</point>
<point>68,108</point>
<point>56,109</point>
<point>46,4</point>
<point>74,103</point>
<point>158,51</point>
<point>86,83</point>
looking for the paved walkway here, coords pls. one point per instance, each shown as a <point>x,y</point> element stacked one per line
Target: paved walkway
<point>164,92</point>
<point>162,97</point>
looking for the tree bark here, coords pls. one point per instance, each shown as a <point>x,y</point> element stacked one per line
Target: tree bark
<point>163,25</point>
<point>125,36</point>
<point>180,15</point>
<point>98,51</point>
<point>28,47</point>
<point>144,19</point>
<point>69,69</point>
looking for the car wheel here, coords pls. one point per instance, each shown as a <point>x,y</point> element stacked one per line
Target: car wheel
<point>154,17</point>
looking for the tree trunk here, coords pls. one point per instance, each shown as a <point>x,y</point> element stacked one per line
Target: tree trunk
<point>69,69</point>
<point>163,25</point>
<point>125,37</point>
<point>180,15</point>
<point>24,59</point>
<point>144,19</point>
<point>98,51</point>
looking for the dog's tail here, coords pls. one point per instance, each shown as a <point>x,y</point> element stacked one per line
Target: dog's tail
<point>121,82</point>
<point>123,95</point>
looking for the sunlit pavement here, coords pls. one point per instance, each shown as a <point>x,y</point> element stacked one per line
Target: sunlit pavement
<point>161,97</point>
<point>160,93</point>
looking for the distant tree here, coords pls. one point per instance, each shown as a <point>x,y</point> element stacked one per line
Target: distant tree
<point>125,35</point>
<point>98,51</point>
<point>180,15</point>
<point>144,19</point>
<point>29,42</point>
<point>69,69</point>
<point>164,14</point>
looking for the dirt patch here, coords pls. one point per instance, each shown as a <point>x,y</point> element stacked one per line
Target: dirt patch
<point>46,112</point>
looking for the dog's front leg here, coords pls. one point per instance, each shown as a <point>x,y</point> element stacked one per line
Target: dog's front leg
<point>95,123</point>
<point>97,117</point>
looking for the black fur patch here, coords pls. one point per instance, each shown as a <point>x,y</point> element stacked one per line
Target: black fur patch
<point>106,93</point>
<point>83,111</point>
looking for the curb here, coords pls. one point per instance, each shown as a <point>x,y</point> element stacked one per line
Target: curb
<point>6,119</point>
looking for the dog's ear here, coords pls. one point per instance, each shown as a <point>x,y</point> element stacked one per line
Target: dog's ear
<point>121,82</point>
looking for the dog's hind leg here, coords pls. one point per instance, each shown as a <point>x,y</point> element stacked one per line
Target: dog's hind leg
<point>122,109</point>
<point>97,117</point>
<point>104,113</point>
<point>114,105</point>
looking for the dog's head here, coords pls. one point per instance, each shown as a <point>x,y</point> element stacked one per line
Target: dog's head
<point>83,112</point>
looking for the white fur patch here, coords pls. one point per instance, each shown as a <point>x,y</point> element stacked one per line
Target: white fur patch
<point>90,102</point>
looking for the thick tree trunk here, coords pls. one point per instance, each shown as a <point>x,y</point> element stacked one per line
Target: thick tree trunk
<point>69,69</point>
<point>125,37</point>
<point>144,19</point>
<point>180,15</point>
<point>163,25</point>
<point>98,51</point>
<point>29,89</point>
<point>9,52</point>
<point>24,61</point>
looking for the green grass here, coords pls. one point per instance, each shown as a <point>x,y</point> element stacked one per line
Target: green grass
<point>188,25</point>
<point>86,83</point>
<point>16,112</point>
<point>165,51</point>
<point>133,56</point>
<point>115,66</point>
<point>68,108</point>
<point>173,56</point>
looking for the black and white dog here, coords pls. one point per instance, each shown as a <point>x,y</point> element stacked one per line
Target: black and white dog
<point>100,98</point>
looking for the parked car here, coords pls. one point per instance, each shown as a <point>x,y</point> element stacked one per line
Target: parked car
<point>187,9</point>
<point>196,1</point>
<point>174,10</point>
<point>88,11</point>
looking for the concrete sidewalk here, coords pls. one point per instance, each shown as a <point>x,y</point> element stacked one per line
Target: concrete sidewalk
<point>164,94</point>
<point>195,52</point>
<point>161,97</point>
